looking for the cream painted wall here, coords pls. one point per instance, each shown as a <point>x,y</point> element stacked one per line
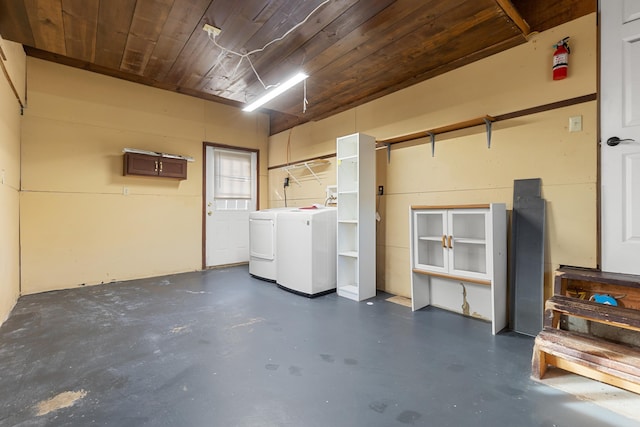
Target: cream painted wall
<point>9,183</point>
<point>77,226</point>
<point>464,170</point>
<point>301,143</point>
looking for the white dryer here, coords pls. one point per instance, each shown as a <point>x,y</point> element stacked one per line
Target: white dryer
<point>306,247</point>
<point>262,243</point>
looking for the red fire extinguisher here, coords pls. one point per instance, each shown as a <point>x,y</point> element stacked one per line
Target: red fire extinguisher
<point>561,59</point>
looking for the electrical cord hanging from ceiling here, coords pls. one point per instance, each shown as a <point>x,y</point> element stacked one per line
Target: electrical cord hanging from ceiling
<point>289,147</point>
<point>284,188</point>
<point>304,99</point>
<point>224,51</point>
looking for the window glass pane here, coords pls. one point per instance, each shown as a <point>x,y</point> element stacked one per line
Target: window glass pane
<point>233,204</point>
<point>232,175</point>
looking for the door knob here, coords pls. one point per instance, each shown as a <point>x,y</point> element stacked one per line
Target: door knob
<point>614,140</point>
<point>209,213</point>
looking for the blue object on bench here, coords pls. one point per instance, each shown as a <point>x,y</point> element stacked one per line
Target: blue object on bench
<point>604,299</point>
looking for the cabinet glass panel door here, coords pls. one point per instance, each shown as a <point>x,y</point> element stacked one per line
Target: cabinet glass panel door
<point>430,240</point>
<point>468,247</point>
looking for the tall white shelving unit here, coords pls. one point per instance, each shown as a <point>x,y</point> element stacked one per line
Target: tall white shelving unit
<point>356,174</point>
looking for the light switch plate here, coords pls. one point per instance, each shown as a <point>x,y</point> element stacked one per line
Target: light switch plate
<point>575,124</point>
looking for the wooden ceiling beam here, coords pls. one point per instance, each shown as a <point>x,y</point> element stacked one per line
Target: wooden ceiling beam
<point>514,15</point>
<point>542,15</point>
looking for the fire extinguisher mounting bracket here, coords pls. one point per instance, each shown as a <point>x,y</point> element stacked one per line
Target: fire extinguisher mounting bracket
<point>564,42</point>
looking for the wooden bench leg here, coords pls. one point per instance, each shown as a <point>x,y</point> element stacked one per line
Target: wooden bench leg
<point>538,363</point>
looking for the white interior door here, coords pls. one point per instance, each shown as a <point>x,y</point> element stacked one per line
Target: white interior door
<point>620,117</point>
<point>231,193</point>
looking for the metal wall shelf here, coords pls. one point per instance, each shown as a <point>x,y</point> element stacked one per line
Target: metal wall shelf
<point>308,165</point>
<point>431,134</point>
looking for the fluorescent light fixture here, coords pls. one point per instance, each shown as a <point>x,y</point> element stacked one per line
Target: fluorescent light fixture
<point>275,92</point>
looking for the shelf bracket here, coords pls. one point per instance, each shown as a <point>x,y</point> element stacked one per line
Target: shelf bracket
<point>488,124</point>
<point>388,144</point>
<point>312,173</point>
<point>433,143</point>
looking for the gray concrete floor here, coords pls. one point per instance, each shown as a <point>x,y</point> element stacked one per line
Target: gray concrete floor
<point>219,348</point>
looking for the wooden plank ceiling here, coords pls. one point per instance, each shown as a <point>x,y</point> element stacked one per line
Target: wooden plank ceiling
<point>354,51</point>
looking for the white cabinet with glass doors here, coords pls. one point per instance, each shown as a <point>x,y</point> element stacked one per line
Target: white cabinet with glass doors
<point>458,260</point>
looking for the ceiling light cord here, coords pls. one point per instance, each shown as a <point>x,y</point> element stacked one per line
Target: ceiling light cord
<point>212,37</point>
<point>266,87</point>
<point>292,29</point>
<point>224,51</point>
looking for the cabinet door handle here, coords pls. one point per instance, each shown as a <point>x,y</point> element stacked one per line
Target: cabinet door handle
<point>444,242</point>
<point>161,167</point>
<point>450,242</point>
<point>156,169</point>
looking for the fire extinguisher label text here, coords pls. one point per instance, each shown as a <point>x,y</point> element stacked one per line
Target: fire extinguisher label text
<point>561,59</point>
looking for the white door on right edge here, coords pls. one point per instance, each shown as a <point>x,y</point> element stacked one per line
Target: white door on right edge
<point>620,118</point>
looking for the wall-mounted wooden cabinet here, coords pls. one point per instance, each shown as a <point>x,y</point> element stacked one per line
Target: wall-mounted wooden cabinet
<point>148,165</point>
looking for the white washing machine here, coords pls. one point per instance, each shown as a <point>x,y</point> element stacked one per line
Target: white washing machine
<point>306,247</point>
<point>262,243</point>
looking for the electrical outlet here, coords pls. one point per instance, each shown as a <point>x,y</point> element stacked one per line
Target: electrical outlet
<point>380,190</point>
<point>211,30</point>
<point>575,124</point>
<point>125,191</point>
